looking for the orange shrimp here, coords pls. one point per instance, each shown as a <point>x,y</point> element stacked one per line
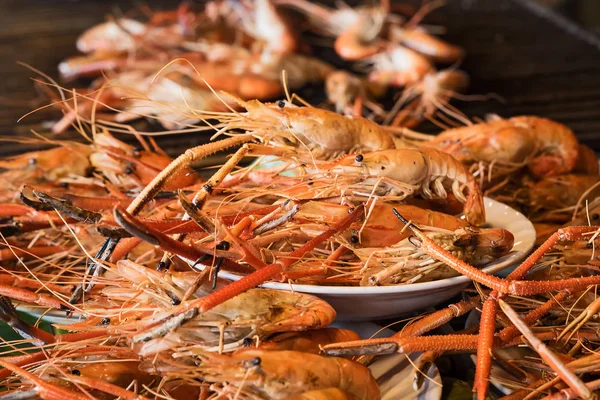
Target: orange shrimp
<point>548,148</point>
<point>379,230</point>
<point>270,26</point>
<point>325,133</point>
<point>399,66</point>
<point>49,165</point>
<point>280,374</point>
<point>359,40</point>
<point>122,165</point>
<point>418,170</point>
<point>426,44</point>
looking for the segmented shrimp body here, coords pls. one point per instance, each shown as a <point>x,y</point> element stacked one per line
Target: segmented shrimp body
<point>403,263</point>
<point>325,133</point>
<point>426,171</point>
<point>548,148</point>
<point>280,374</point>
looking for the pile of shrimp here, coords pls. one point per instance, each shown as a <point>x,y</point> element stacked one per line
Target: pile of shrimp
<point>244,47</point>
<point>138,249</point>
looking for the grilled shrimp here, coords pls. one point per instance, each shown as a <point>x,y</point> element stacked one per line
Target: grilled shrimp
<point>402,263</point>
<point>47,165</point>
<point>360,40</point>
<point>379,230</point>
<point>122,165</point>
<point>548,148</point>
<point>426,44</point>
<point>422,170</point>
<point>268,25</point>
<point>330,21</point>
<point>325,133</point>
<point>258,374</point>
<point>398,66</point>
<point>127,34</point>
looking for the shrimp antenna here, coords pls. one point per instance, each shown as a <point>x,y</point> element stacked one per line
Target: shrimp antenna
<point>285,85</point>
<point>185,60</point>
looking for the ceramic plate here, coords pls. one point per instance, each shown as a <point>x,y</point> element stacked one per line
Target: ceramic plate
<point>377,302</point>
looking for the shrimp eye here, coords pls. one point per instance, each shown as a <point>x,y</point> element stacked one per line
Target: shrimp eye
<point>256,361</point>
<point>359,158</point>
<point>224,245</point>
<point>354,239</point>
<point>589,245</point>
<point>281,103</point>
<point>105,321</point>
<point>176,302</point>
<point>595,216</point>
<point>76,372</point>
<point>32,161</point>
<point>128,170</point>
<point>247,342</point>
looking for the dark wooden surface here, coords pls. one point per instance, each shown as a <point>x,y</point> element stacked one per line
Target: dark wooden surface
<point>537,62</point>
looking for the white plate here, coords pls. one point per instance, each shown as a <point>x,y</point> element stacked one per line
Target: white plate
<point>378,302</point>
<point>395,373</point>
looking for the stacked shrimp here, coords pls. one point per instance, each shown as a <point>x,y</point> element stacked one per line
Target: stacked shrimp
<point>534,164</point>
<point>241,48</point>
<point>388,51</point>
<point>63,212</point>
<point>253,50</point>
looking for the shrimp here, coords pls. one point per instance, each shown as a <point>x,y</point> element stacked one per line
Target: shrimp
<point>546,147</point>
<point>47,165</point>
<point>402,263</point>
<point>359,40</point>
<point>171,99</point>
<point>419,40</point>
<point>424,98</point>
<point>426,171</point>
<point>122,165</point>
<point>561,191</point>
<point>261,374</point>
<point>257,312</point>
<point>399,66</point>
<point>329,21</point>
<point>379,230</point>
<point>111,37</point>
<point>325,133</point>
<point>268,25</point>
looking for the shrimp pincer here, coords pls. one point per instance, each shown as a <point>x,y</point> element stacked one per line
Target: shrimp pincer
<point>429,172</point>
